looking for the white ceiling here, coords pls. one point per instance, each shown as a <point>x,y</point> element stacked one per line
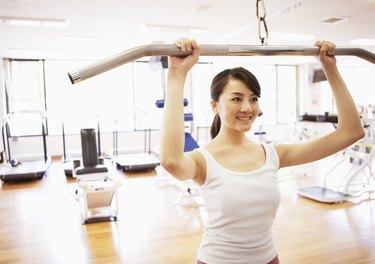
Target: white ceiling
<point>99,28</point>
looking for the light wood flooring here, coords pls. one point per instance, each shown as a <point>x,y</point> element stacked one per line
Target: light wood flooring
<point>40,222</point>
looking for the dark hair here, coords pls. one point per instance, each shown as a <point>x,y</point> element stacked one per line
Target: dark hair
<point>221,80</point>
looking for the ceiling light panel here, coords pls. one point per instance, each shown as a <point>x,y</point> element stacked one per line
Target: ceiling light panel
<point>34,22</point>
<point>23,22</point>
<point>365,42</point>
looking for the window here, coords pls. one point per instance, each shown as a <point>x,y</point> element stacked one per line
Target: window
<point>286,94</point>
<point>360,82</point>
<point>104,98</point>
<point>201,78</point>
<point>125,96</point>
<point>24,93</point>
<point>149,85</point>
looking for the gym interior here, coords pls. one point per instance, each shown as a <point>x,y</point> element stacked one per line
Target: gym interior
<point>82,103</point>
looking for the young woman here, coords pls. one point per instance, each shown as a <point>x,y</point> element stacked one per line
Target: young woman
<point>237,176</point>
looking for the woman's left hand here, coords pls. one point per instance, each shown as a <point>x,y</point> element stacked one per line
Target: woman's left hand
<point>185,63</point>
<point>326,53</point>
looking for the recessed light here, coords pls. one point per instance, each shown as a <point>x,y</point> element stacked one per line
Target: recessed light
<point>34,22</point>
<point>335,20</point>
<point>24,22</point>
<point>202,8</point>
<point>28,50</point>
<point>55,23</point>
<point>366,42</point>
<point>95,38</point>
<point>173,28</point>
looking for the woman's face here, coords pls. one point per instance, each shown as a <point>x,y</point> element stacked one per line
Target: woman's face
<point>237,106</point>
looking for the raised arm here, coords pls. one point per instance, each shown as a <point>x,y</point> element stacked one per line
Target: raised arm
<point>349,128</point>
<point>173,159</point>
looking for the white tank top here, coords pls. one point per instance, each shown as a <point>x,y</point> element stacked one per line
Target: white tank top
<point>241,207</point>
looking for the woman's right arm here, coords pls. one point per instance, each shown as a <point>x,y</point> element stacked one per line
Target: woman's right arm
<point>181,166</point>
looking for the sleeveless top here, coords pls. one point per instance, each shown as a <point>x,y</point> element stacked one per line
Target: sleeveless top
<point>241,207</point>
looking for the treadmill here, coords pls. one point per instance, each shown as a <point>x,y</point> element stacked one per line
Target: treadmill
<point>14,170</point>
<point>135,162</point>
<point>323,194</point>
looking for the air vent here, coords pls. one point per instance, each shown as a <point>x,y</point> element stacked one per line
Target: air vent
<point>335,20</point>
<point>202,8</point>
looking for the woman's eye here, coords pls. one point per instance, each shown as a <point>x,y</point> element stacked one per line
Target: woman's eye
<point>254,99</point>
<point>236,99</point>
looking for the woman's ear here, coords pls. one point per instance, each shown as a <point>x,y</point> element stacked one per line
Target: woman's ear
<point>214,107</point>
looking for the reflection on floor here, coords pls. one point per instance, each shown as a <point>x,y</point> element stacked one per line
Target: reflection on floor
<point>40,223</point>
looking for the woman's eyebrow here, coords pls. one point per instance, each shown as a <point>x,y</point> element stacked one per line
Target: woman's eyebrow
<point>236,93</point>
<point>241,94</point>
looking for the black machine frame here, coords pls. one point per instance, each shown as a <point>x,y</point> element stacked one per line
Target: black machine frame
<point>14,170</point>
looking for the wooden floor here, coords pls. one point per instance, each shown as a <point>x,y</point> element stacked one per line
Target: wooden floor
<point>40,222</point>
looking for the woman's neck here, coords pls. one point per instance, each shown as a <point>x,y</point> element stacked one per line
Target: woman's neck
<point>232,138</point>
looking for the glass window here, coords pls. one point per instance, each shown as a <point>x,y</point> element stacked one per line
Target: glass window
<point>104,98</point>
<point>24,92</point>
<point>286,94</point>
<point>360,81</point>
<point>125,96</point>
<point>201,78</point>
<point>149,86</point>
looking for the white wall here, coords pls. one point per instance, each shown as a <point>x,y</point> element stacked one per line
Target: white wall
<point>2,99</point>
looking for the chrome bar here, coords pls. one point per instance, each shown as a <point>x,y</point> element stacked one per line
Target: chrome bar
<point>207,50</point>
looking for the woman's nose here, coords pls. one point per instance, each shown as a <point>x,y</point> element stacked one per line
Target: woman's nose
<point>246,107</point>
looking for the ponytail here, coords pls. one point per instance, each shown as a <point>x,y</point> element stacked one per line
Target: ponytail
<point>215,127</point>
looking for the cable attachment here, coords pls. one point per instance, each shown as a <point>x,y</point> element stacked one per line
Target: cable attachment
<point>263,36</point>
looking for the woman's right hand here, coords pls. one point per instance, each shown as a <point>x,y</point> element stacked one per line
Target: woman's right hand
<point>184,64</point>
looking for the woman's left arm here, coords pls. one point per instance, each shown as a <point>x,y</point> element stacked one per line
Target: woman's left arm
<point>349,129</point>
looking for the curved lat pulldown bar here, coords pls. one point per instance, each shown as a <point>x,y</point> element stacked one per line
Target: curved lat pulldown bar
<point>207,50</point>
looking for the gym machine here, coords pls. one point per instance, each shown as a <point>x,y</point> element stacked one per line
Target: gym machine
<point>67,160</point>
<point>360,157</point>
<point>15,170</point>
<point>134,162</point>
<point>96,192</point>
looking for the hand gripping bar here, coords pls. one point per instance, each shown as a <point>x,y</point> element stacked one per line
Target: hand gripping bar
<point>207,50</point>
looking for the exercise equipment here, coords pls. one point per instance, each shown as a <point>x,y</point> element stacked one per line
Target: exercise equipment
<point>326,118</point>
<point>16,170</point>
<point>114,61</point>
<point>134,162</point>
<point>90,156</point>
<point>97,192</point>
<point>360,156</point>
<point>160,103</point>
<point>67,161</point>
